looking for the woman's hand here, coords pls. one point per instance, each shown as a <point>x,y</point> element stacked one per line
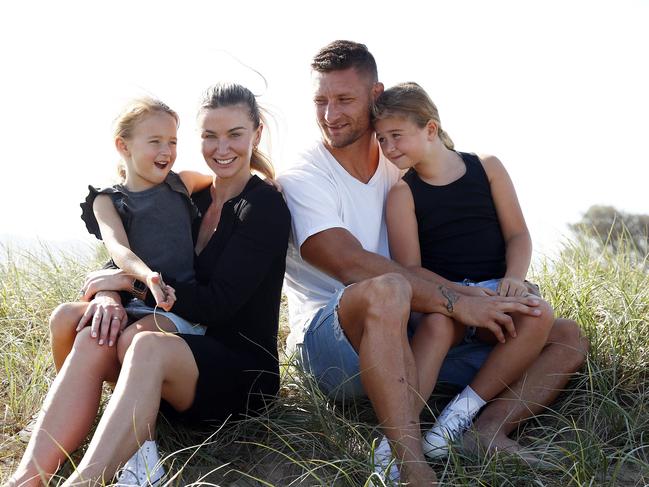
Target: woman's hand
<point>107,317</point>
<point>510,286</point>
<point>105,280</point>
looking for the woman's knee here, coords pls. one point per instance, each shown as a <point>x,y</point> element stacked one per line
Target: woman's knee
<point>145,346</point>
<point>124,341</point>
<point>87,351</point>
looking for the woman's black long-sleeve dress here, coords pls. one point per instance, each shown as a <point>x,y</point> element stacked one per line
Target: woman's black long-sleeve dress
<point>237,296</point>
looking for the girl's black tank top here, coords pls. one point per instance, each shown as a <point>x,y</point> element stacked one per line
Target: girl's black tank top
<point>459,232</point>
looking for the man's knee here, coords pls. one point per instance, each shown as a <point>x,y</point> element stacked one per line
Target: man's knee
<point>390,292</point>
<point>568,334</point>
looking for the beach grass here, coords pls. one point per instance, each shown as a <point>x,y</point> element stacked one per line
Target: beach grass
<point>596,433</point>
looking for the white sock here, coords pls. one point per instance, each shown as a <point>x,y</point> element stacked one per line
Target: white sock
<point>474,398</point>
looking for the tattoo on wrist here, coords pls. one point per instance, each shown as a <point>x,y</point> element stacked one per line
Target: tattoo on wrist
<point>451,297</point>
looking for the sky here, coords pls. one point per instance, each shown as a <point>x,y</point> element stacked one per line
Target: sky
<point>556,89</point>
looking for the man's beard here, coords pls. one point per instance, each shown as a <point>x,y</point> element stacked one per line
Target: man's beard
<point>343,141</point>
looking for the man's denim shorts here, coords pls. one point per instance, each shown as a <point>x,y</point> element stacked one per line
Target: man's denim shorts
<point>328,356</point>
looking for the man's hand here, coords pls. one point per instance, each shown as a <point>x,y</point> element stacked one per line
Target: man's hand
<point>476,291</point>
<point>107,317</point>
<point>510,286</point>
<point>490,312</point>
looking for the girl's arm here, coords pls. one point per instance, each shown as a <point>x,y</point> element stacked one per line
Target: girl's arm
<point>256,245</point>
<point>116,241</point>
<point>518,243</point>
<point>403,237</point>
<point>194,181</point>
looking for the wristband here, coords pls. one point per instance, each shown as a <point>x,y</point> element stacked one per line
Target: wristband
<point>139,289</point>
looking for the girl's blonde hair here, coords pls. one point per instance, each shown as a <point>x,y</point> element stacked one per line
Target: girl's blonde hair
<point>230,94</point>
<point>132,114</point>
<point>410,100</point>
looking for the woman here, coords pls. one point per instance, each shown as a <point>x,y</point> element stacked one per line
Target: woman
<point>240,247</point>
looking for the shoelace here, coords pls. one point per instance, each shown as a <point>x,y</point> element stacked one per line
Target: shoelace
<point>459,421</point>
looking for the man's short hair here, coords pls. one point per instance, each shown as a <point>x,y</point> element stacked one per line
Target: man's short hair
<point>340,55</point>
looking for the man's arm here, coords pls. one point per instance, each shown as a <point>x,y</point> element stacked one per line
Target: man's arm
<point>338,253</point>
<point>403,235</point>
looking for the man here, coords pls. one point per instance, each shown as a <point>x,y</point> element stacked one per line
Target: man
<point>354,339</point>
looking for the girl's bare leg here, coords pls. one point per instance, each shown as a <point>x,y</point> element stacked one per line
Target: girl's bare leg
<point>69,409</point>
<point>435,335</point>
<point>508,361</point>
<point>562,355</point>
<point>156,365</point>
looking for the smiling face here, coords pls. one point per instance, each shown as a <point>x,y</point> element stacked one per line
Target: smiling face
<point>342,99</point>
<point>229,137</point>
<point>402,141</point>
<point>150,151</point>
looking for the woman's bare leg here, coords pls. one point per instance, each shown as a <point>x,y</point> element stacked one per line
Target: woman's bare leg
<point>69,409</point>
<point>148,323</point>
<point>156,365</point>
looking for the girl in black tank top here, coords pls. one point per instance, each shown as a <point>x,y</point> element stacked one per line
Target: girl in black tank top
<point>455,219</point>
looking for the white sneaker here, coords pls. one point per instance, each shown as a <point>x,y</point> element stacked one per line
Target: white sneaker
<point>26,433</point>
<point>385,465</point>
<point>143,469</point>
<point>454,420</point>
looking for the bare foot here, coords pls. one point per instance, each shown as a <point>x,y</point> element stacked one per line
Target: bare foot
<point>418,475</point>
<point>480,443</point>
<point>477,442</point>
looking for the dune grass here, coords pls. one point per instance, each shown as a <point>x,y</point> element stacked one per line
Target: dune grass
<point>597,433</point>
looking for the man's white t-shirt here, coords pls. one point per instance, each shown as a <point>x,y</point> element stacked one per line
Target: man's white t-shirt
<point>321,194</point>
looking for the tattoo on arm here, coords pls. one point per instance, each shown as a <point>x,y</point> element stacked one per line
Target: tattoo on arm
<point>451,297</point>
